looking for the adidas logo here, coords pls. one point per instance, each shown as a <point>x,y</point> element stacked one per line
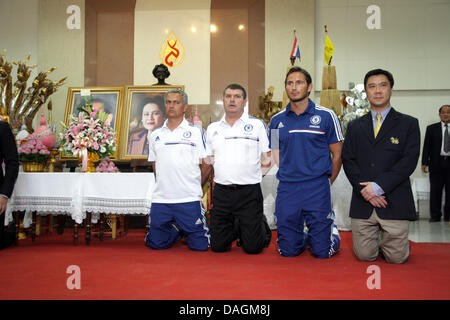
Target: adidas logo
<point>280,125</point>
<point>198,221</point>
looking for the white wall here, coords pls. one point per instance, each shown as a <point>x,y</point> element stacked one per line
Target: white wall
<point>282,16</point>
<point>19,25</point>
<point>413,41</point>
<point>154,21</point>
<point>62,48</point>
<point>38,27</point>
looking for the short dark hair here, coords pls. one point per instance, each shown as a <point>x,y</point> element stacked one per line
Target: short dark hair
<point>235,86</point>
<point>445,105</point>
<point>298,69</point>
<point>163,67</point>
<point>158,100</point>
<point>376,72</point>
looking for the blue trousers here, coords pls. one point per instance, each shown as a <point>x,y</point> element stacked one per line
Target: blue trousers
<point>169,221</point>
<point>305,202</point>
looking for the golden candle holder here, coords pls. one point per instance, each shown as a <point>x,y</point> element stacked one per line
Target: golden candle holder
<point>53,164</point>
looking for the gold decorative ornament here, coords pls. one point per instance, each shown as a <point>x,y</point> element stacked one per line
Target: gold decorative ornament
<point>53,164</point>
<point>267,107</point>
<point>33,166</point>
<point>18,103</point>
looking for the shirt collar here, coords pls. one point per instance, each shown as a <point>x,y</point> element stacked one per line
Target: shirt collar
<point>183,124</point>
<point>244,117</point>
<point>309,109</point>
<point>383,113</point>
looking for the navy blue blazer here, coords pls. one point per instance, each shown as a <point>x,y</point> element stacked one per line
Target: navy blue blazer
<point>8,154</point>
<point>431,153</point>
<point>389,160</point>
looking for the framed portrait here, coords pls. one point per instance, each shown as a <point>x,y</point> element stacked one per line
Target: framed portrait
<point>110,97</point>
<point>143,111</point>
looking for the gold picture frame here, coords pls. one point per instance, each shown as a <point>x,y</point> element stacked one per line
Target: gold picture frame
<point>134,143</point>
<point>110,97</point>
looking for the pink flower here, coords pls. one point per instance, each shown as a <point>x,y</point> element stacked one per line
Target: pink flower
<point>108,120</point>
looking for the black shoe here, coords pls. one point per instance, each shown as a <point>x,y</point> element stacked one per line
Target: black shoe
<point>434,220</point>
<point>268,237</point>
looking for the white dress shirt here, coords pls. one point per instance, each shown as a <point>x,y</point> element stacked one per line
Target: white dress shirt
<point>237,149</point>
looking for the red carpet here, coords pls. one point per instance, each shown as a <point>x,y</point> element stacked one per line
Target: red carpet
<point>125,269</point>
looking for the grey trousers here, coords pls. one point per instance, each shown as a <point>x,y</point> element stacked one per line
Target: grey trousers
<point>370,236</point>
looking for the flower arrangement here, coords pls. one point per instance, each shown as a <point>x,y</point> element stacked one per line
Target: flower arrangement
<point>355,105</point>
<point>90,130</point>
<point>107,166</point>
<point>34,151</point>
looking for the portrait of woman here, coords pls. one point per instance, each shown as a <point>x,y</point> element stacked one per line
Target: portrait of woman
<point>149,116</point>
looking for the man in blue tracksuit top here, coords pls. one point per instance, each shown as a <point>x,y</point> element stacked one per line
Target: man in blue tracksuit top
<point>306,142</point>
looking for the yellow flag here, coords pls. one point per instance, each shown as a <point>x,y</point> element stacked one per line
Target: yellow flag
<point>329,49</point>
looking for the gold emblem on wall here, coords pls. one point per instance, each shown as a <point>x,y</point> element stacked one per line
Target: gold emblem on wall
<point>172,52</point>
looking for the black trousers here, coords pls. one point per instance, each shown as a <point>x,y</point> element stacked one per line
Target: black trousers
<point>439,180</point>
<point>242,204</point>
<point>2,229</point>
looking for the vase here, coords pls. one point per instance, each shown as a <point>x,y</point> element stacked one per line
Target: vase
<point>33,166</point>
<point>92,157</point>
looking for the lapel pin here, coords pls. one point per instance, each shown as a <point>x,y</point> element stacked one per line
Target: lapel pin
<point>394,140</point>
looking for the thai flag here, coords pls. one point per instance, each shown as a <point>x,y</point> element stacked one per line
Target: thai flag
<point>295,49</point>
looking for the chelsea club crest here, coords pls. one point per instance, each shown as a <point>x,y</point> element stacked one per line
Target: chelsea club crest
<point>315,120</point>
<point>187,134</point>
<point>248,128</point>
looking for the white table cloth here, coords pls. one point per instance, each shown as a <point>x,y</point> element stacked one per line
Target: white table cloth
<point>341,196</point>
<point>421,190</point>
<point>269,185</point>
<point>74,194</point>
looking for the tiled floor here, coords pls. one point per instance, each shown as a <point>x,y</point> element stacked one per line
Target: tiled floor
<point>424,231</point>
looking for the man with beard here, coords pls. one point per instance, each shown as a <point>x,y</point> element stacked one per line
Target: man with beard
<point>176,151</point>
<point>301,139</point>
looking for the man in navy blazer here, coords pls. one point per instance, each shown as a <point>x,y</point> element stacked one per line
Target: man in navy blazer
<point>380,152</point>
<point>436,159</point>
<point>8,155</point>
